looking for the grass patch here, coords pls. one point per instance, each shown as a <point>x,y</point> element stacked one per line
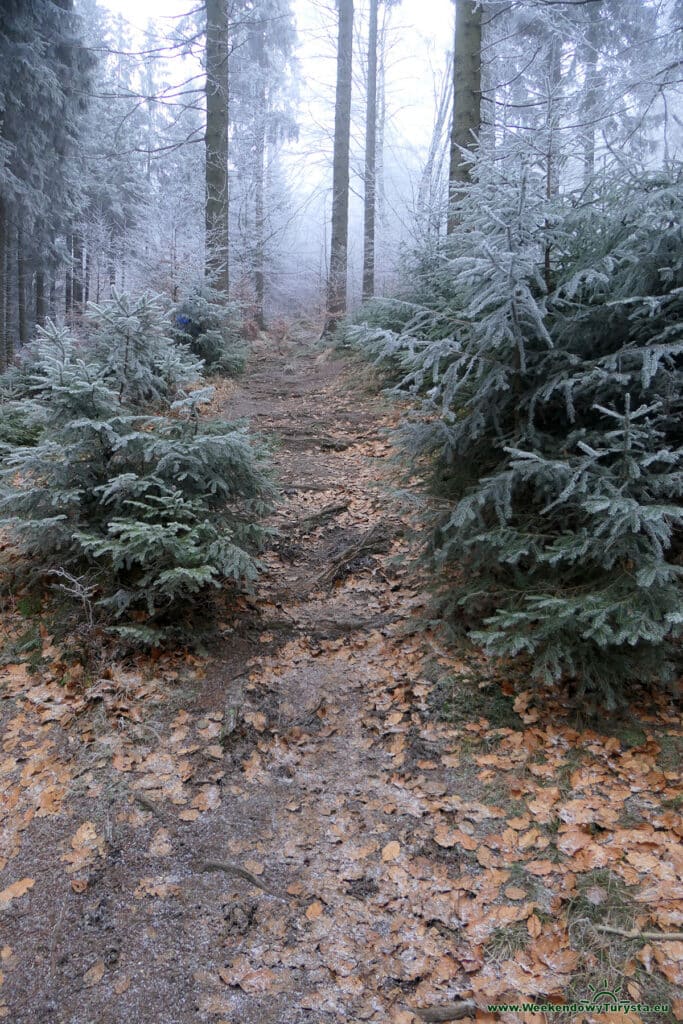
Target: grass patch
<point>505,942</point>
<point>601,898</point>
<point>471,693</point>
<point>608,961</point>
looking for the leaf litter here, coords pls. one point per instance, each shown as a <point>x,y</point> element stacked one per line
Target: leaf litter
<point>391,860</point>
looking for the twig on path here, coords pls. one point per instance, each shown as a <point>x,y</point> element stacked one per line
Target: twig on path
<point>318,518</point>
<point>635,934</point>
<point>53,939</point>
<point>207,864</point>
<point>453,1011</point>
<point>235,869</point>
<point>153,806</point>
<point>312,487</point>
<point>374,541</point>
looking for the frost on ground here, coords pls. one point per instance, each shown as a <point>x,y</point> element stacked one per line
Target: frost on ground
<point>331,816</point>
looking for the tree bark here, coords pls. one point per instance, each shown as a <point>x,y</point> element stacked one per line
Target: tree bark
<point>466,96</point>
<point>69,280</point>
<point>552,184</point>
<point>216,145</point>
<point>86,275</point>
<point>370,160</point>
<point>41,306</point>
<point>336,285</point>
<point>78,274</point>
<point>591,94</point>
<point>21,288</point>
<point>259,180</point>
<point>3,286</point>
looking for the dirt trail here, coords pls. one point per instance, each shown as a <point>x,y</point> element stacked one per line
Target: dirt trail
<point>275,759</point>
<point>279,831</point>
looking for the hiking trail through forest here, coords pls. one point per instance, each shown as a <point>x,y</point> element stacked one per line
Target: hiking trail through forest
<point>282,831</point>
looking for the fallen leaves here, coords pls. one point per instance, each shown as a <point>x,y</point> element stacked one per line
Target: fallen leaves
<point>15,890</point>
<point>94,975</point>
<point>410,853</point>
<point>314,910</point>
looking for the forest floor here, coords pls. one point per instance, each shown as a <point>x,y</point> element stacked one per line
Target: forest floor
<point>330,816</point>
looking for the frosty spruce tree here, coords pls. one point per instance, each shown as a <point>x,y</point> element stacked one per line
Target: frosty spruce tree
<point>141,512</point>
<point>550,417</point>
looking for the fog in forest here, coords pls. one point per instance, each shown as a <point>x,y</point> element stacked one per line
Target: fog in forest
<point>341,519</point>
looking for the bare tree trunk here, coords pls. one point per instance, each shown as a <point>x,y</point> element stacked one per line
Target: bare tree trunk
<point>21,288</point>
<point>428,211</point>
<point>336,285</point>
<point>87,267</point>
<point>466,95</point>
<point>4,333</point>
<point>552,184</point>
<point>370,160</point>
<point>591,94</point>
<point>78,274</point>
<point>216,144</point>
<point>41,306</point>
<point>69,280</point>
<point>259,183</point>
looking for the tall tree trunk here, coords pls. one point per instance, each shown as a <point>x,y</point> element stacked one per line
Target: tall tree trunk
<point>336,285</point>
<point>590,94</point>
<point>216,144</point>
<point>429,215</point>
<point>78,274</point>
<point>87,267</point>
<point>259,182</point>
<point>21,289</point>
<point>111,265</point>
<point>370,160</point>
<point>69,279</point>
<point>41,306</point>
<point>552,183</point>
<point>4,333</point>
<point>466,96</point>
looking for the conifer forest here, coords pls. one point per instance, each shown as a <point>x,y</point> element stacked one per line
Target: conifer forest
<point>341,511</point>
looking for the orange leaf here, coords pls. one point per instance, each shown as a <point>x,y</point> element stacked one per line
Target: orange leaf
<point>314,911</point>
<point>514,893</point>
<point>94,975</point>
<point>534,926</point>
<point>14,890</point>
<point>391,851</point>
<point>541,867</point>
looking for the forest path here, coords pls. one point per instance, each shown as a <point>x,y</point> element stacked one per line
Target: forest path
<point>284,829</point>
<point>276,757</point>
<point>340,930</point>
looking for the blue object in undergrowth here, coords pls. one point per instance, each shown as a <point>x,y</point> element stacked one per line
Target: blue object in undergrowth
<point>182,320</point>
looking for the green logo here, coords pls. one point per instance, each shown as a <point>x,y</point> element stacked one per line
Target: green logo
<point>600,993</point>
<point>601,998</point>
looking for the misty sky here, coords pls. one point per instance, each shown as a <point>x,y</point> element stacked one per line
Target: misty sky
<point>422,32</point>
